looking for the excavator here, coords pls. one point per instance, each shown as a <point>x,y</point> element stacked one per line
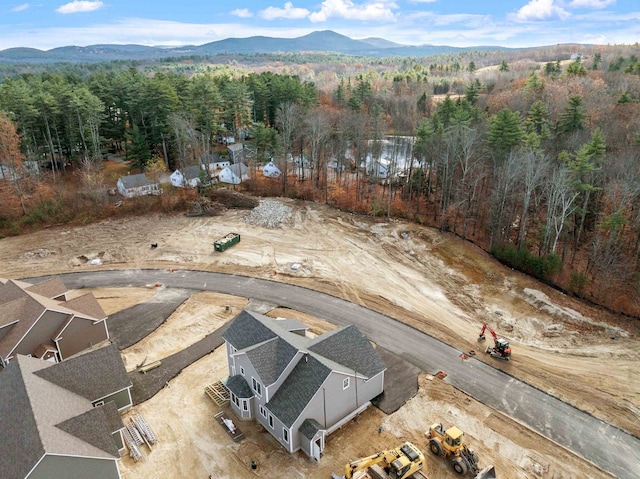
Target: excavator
<point>500,349</point>
<point>450,444</point>
<point>399,463</point>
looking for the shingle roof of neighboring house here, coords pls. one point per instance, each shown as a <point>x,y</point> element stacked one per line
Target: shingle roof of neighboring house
<point>22,305</point>
<point>291,324</point>
<point>94,428</point>
<point>135,181</point>
<point>271,358</point>
<point>87,304</point>
<point>51,288</point>
<point>347,346</point>
<point>246,331</point>
<point>92,379</point>
<point>238,386</point>
<point>235,147</point>
<point>191,172</point>
<point>238,169</point>
<point>36,417</point>
<point>297,390</point>
<point>309,428</point>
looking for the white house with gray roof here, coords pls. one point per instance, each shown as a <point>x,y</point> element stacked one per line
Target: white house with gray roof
<point>61,421</point>
<point>131,186</point>
<point>299,388</point>
<point>186,177</point>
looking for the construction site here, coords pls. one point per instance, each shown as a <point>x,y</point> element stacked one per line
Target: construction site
<point>435,283</point>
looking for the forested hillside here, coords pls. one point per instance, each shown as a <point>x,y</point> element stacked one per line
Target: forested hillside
<point>533,155</point>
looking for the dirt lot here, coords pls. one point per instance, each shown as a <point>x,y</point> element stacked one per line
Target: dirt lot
<point>440,284</point>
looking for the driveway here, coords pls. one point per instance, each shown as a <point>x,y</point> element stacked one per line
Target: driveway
<point>598,442</point>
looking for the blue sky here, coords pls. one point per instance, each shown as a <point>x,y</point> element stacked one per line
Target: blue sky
<point>512,23</point>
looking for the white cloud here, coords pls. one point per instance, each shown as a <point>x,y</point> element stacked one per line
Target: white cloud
<point>78,6</point>
<point>20,8</point>
<point>289,12</point>
<point>540,10</point>
<point>423,1</point>
<point>591,3</point>
<point>376,10</point>
<point>242,13</point>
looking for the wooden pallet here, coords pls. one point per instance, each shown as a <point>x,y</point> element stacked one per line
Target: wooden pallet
<point>218,393</point>
<point>235,434</point>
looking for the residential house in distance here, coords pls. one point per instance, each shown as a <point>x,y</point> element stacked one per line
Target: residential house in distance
<point>37,320</point>
<point>299,388</point>
<point>270,170</point>
<point>234,174</point>
<point>186,177</point>
<point>214,164</point>
<point>61,421</point>
<point>131,186</point>
<point>236,152</point>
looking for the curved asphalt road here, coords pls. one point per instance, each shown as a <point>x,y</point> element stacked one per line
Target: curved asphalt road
<point>604,445</point>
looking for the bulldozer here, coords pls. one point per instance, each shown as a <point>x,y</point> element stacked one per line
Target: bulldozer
<point>399,463</point>
<point>500,349</point>
<point>450,444</point>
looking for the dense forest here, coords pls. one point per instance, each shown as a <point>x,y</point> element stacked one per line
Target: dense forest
<point>533,155</point>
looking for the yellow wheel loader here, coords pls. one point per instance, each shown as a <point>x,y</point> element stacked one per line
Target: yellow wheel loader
<point>450,444</point>
<point>399,463</point>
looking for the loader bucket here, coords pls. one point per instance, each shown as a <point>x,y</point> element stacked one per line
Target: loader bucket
<point>488,472</point>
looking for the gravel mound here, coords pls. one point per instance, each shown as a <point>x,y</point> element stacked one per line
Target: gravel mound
<point>270,214</point>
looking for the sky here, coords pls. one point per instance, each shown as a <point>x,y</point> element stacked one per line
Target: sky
<point>46,24</point>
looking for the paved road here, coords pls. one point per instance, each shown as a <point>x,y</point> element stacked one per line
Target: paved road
<point>600,443</point>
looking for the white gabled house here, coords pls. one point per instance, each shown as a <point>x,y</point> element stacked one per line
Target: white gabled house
<point>299,388</point>
<point>187,177</point>
<point>234,174</point>
<point>131,186</point>
<point>270,170</point>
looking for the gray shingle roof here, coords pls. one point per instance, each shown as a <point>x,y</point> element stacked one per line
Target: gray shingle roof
<point>298,389</point>
<point>238,386</point>
<point>246,331</point>
<point>92,427</point>
<point>37,417</point>
<point>291,325</point>
<point>191,172</point>
<point>309,428</point>
<point>348,347</point>
<point>93,375</point>
<point>17,425</point>
<point>136,181</point>
<point>271,358</point>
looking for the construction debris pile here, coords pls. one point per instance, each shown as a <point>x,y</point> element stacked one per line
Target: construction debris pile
<point>270,214</point>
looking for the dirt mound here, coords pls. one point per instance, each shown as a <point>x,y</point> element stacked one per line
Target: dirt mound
<point>232,199</point>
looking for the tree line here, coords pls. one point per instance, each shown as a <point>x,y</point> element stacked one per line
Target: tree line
<point>538,164</point>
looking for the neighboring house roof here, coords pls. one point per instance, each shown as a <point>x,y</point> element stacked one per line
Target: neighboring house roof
<point>347,346</point>
<point>21,307</point>
<point>136,181</point>
<point>92,379</point>
<point>309,428</point>
<point>291,324</point>
<point>298,389</point>
<point>51,288</point>
<point>39,418</point>
<point>191,172</point>
<point>238,386</point>
<point>236,147</point>
<point>238,169</point>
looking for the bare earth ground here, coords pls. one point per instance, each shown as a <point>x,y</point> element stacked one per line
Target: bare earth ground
<point>438,283</point>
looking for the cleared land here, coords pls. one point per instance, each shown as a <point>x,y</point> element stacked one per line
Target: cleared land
<point>440,284</point>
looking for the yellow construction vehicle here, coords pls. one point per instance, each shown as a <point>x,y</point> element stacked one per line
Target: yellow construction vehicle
<point>450,444</point>
<point>400,463</point>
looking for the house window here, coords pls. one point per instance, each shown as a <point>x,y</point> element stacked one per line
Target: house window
<point>235,400</point>
<point>270,421</point>
<point>263,412</point>
<point>345,383</point>
<point>285,435</point>
<point>257,387</point>
<point>245,405</point>
<point>241,370</point>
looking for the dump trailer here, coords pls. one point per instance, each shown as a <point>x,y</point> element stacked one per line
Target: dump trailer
<point>403,462</point>
<point>450,444</point>
<point>226,242</point>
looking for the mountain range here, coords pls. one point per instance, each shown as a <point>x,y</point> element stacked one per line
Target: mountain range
<point>320,41</point>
